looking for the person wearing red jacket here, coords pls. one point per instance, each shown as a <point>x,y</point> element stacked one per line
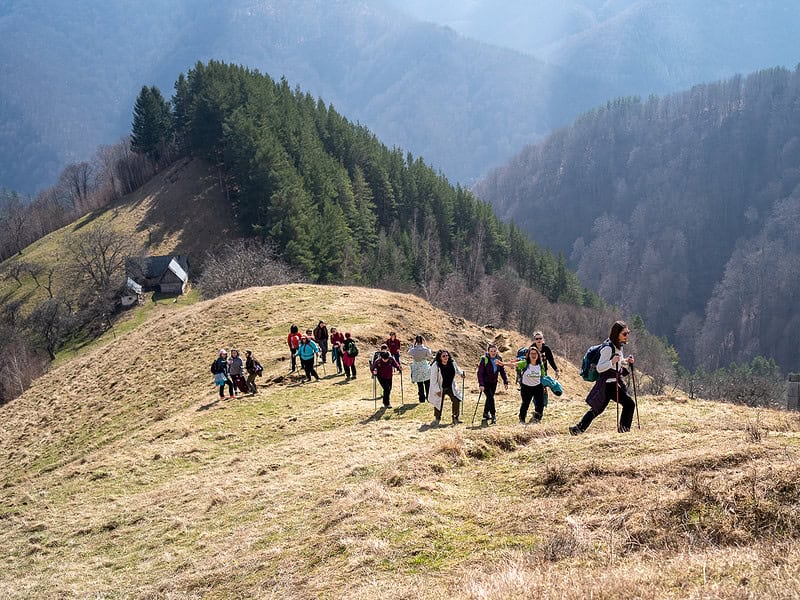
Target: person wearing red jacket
<point>383,368</point>
<point>337,348</point>
<point>393,344</point>
<point>293,339</point>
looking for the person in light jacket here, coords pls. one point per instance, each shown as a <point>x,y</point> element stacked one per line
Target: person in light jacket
<point>530,370</point>
<point>421,356</point>
<point>443,373</point>
<point>611,367</point>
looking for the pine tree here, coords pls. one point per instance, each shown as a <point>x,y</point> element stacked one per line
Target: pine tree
<point>151,133</point>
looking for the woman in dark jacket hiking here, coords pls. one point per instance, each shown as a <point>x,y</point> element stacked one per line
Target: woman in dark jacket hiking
<point>611,367</point>
<point>545,353</point>
<point>531,388</point>
<point>321,337</point>
<point>220,370</point>
<point>383,368</point>
<point>490,369</point>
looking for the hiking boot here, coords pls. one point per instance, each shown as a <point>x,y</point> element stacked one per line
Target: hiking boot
<point>623,429</point>
<point>387,406</point>
<point>435,423</point>
<point>523,423</point>
<point>494,420</point>
<point>457,421</point>
<point>575,430</point>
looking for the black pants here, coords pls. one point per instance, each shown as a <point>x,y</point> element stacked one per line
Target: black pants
<point>348,369</point>
<point>437,413</point>
<point>423,387</point>
<point>230,389</point>
<point>323,348</point>
<point>308,367</point>
<point>536,392</point>
<point>294,359</point>
<point>489,388</point>
<point>386,384</point>
<point>628,408</point>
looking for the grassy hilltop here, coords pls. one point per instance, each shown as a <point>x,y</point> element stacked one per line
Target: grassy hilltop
<point>124,476</point>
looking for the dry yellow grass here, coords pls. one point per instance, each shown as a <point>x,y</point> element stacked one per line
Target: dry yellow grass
<point>124,476</point>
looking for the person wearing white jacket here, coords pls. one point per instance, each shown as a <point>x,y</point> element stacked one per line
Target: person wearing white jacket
<point>443,373</point>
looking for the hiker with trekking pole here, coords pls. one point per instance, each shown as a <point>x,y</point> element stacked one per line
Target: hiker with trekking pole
<point>490,368</point>
<point>383,368</point>
<point>421,357</point>
<point>611,365</point>
<point>443,373</point>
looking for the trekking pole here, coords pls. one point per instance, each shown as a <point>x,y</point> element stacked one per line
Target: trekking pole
<point>402,399</point>
<point>477,404</point>
<point>374,393</point>
<point>635,398</point>
<point>617,383</point>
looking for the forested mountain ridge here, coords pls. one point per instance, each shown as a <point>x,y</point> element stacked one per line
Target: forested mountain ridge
<point>632,46</point>
<point>682,209</point>
<point>71,71</point>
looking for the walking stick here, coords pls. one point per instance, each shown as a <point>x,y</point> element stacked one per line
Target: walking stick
<point>477,404</point>
<point>374,393</point>
<point>635,399</point>
<point>617,382</point>
<point>402,398</point>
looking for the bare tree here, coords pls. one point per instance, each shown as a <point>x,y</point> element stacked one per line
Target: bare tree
<point>13,221</point>
<point>97,256</point>
<point>242,264</point>
<point>50,322</point>
<point>13,271</point>
<point>34,270</point>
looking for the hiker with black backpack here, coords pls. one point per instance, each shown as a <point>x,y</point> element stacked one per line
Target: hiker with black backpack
<point>254,369</point>
<point>611,366</point>
<point>531,388</point>
<point>490,368</point>
<point>349,353</point>
<point>219,368</point>
<point>421,356</point>
<point>443,373</point>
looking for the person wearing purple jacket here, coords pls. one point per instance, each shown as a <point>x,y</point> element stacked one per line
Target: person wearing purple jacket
<point>383,368</point>
<point>490,368</point>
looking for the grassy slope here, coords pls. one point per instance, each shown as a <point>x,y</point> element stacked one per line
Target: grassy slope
<point>125,477</point>
<point>181,210</point>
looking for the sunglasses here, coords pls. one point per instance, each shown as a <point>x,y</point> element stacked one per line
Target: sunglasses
<point>538,339</point>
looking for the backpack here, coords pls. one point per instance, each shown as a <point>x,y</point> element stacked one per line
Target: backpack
<point>352,349</point>
<point>257,368</point>
<point>590,360</point>
<point>214,369</point>
<point>294,341</point>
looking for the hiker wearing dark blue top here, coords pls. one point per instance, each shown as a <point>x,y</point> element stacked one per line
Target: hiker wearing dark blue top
<point>219,368</point>
<point>490,368</point>
<point>611,367</point>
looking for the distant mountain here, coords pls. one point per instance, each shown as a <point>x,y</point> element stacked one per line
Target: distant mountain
<point>635,47</point>
<point>683,209</point>
<point>71,71</point>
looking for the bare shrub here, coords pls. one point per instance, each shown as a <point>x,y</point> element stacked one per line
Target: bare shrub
<point>241,264</point>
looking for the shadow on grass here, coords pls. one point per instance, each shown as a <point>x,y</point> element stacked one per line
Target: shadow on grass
<point>376,416</point>
<point>211,404</point>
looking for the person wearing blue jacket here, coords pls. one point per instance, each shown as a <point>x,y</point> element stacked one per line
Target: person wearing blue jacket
<point>307,351</point>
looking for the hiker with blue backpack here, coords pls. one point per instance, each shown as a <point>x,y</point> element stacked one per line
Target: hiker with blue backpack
<point>490,369</point>
<point>531,388</point>
<point>606,364</point>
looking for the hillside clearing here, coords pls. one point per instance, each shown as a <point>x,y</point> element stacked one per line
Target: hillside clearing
<point>125,476</point>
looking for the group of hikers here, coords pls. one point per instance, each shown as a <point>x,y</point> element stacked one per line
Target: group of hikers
<point>436,374</point>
